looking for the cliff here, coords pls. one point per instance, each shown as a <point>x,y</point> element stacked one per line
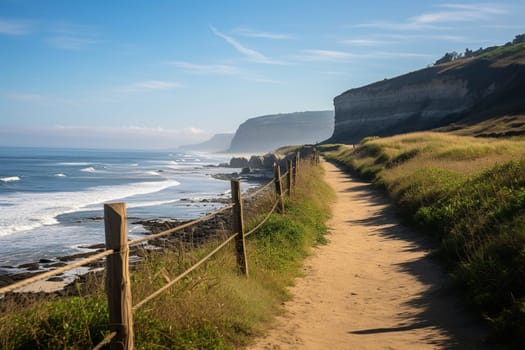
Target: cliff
<point>476,88</point>
<point>218,143</point>
<point>265,133</point>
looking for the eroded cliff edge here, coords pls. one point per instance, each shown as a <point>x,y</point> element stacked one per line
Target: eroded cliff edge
<point>476,88</point>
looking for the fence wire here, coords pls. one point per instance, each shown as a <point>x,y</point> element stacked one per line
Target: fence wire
<point>106,340</point>
<point>184,274</point>
<point>55,272</point>
<point>180,227</point>
<point>259,191</point>
<point>263,221</point>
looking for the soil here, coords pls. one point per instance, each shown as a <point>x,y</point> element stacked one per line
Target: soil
<point>375,285</point>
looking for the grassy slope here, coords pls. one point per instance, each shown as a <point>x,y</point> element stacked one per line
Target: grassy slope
<point>494,127</point>
<point>470,194</point>
<point>214,308</point>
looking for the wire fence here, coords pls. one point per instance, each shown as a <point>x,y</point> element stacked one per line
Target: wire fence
<point>227,223</point>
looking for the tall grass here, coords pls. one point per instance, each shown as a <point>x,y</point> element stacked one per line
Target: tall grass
<point>214,308</point>
<point>470,194</point>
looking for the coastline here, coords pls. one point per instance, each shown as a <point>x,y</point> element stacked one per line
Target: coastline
<point>63,284</point>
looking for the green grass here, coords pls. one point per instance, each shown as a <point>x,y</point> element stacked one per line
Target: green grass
<point>214,308</point>
<point>469,193</point>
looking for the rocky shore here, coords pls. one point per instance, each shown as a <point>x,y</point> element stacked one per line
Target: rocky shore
<point>189,238</point>
<point>258,169</point>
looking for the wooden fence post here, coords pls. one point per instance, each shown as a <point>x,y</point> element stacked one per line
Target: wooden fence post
<point>297,160</point>
<point>289,170</point>
<point>294,173</point>
<point>118,286</point>
<point>238,226</point>
<point>278,187</point>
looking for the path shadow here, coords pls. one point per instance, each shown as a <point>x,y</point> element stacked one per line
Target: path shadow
<point>440,304</point>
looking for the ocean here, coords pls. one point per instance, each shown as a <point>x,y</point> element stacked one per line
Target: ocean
<point>51,200</point>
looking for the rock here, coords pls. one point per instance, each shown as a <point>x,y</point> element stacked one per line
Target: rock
<point>56,279</point>
<point>45,261</point>
<point>269,160</point>
<point>29,266</point>
<point>256,162</point>
<point>55,265</point>
<point>239,162</point>
<point>77,256</point>
<point>95,246</point>
<point>5,280</point>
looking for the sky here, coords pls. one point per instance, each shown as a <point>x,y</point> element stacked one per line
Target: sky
<point>159,74</point>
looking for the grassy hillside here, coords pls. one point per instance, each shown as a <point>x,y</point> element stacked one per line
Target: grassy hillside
<point>494,127</point>
<point>213,308</point>
<point>469,193</point>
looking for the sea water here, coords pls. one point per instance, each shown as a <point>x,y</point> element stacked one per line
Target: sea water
<point>51,200</point>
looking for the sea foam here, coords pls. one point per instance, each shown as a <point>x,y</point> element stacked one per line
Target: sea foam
<point>26,211</point>
<point>10,179</point>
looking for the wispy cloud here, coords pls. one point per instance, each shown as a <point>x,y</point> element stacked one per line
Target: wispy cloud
<point>406,37</point>
<point>35,98</point>
<point>367,42</point>
<point>149,85</point>
<point>27,97</point>
<point>71,36</point>
<point>251,54</point>
<point>57,34</point>
<point>16,27</point>
<point>326,55</point>
<point>75,43</point>
<point>401,26</point>
<point>447,13</point>
<point>388,39</point>
<point>342,56</point>
<point>461,13</point>
<point>264,35</point>
<point>390,54</point>
<point>222,69</point>
<point>206,69</point>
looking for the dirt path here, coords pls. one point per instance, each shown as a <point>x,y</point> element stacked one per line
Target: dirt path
<point>372,287</point>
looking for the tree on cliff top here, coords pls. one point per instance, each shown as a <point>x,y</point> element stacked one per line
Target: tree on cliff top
<point>518,39</point>
<point>452,56</point>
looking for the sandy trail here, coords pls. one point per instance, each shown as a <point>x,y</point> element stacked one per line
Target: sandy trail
<point>372,287</point>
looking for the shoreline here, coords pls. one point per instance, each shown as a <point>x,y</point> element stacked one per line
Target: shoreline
<point>198,234</point>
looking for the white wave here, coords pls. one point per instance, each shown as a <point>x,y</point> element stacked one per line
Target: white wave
<point>151,203</point>
<point>26,211</point>
<point>10,179</point>
<point>88,170</point>
<point>60,175</point>
<point>154,173</point>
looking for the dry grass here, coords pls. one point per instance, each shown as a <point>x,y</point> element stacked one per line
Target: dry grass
<point>469,193</point>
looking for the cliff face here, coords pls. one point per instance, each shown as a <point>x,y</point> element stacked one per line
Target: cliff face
<point>432,97</point>
<point>266,133</point>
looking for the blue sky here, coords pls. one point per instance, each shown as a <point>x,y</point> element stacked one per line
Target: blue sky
<point>157,74</point>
